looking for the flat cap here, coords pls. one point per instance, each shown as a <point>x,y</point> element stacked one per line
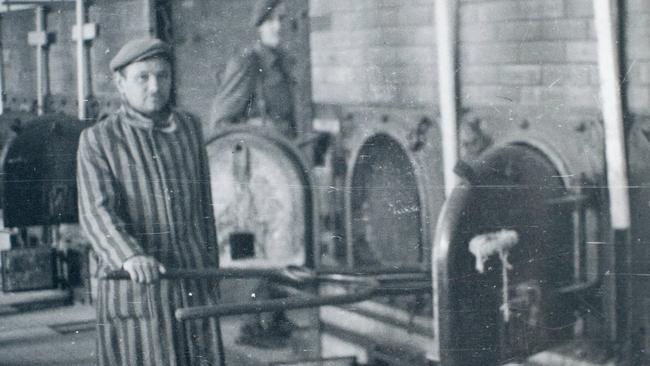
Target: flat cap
<point>262,10</point>
<point>137,50</point>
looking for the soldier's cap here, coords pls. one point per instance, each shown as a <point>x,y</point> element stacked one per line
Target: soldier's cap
<point>262,10</point>
<point>137,50</point>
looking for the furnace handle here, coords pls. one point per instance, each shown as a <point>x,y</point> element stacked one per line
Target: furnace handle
<point>273,305</point>
<point>365,287</point>
<point>291,275</point>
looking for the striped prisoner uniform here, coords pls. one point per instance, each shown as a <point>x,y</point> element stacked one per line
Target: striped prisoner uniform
<point>145,189</point>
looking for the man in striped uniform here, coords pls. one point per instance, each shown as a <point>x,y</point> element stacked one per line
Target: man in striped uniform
<point>145,204</point>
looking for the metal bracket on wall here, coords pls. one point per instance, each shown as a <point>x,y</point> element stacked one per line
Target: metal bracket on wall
<point>418,136</point>
<point>89,31</point>
<point>473,139</point>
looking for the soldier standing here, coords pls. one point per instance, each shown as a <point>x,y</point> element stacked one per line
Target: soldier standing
<point>256,87</point>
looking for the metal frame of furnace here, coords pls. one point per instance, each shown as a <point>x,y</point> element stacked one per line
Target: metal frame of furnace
<point>417,133</point>
<point>573,146</point>
<point>295,157</point>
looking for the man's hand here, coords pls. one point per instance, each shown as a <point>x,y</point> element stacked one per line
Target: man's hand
<point>143,269</point>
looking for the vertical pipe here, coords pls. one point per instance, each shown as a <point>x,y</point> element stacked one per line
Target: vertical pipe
<point>39,19</point>
<point>81,61</point>
<point>610,88</point>
<point>445,23</point>
<point>579,253</point>
<point>2,74</point>
<point>606,21</point>
<point>46,67</point>
<point>150,17</point>
<point>446,40</point>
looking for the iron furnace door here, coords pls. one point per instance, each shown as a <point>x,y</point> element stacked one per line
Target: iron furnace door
<point>514,188</point>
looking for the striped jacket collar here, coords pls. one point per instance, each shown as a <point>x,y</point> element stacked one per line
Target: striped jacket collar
<point>138,120</point>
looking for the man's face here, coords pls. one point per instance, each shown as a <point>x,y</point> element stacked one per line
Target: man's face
<point>270,30</point>
<point>146,84</point>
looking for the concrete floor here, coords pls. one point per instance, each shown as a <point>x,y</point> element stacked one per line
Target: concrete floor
<point>65,335</point>
<point>56,336</point>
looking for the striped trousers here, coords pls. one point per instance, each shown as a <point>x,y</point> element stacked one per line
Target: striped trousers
<point>136,325</point>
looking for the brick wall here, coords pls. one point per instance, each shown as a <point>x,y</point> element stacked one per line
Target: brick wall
<point>205,46</point>
<point>63,74</point>
<point>528,52</point>
<point>118,21</point>
<point>637,37</point>
<point>18,59</point>
<point>373,52</point>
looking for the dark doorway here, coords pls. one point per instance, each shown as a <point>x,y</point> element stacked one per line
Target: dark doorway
<point>385,207</point>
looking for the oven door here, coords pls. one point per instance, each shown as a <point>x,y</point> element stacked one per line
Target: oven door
<point>518,189</point>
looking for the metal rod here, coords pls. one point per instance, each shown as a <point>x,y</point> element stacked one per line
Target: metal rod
<point>368,290</point>
<point>81,61</point>
<point>150,17</point>
<point>579,238</point>
<point>216,274</point>
<point>33,2</point>
<point>15,5</point>
<point>7,8</point>
<point>611,100</point>
<point>572,199</point>
<point>40,27</point>
<point>293,275</point>
<point>445,12</point>
<point>367,287</point>
<point>606,14</point>
<point>272,305</point>
<point>2,74</point>
<point>376,271</point>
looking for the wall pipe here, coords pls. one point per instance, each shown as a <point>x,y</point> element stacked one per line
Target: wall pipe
<point>445,22</point>
<point>81,61</point>
<point>7,7</point>
<point>606,17</point>
<point>39,18</point>
<point>2,74</point>
<point>150,17</point>
<point>15,5</point>
<point>446,40</point>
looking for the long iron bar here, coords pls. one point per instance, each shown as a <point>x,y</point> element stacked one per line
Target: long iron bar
<point>273,305</point>
<point>289,274</point>
<point>280,275</point>
<point>366,287</point>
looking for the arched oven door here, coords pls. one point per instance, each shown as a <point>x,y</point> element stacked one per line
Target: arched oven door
<point>263,202</point>
<point>263,205</point>
<point>512,208</point>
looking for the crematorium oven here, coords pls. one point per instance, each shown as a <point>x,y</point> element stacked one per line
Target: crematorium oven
<point>264,211</point>
<point>516,261</point>
<point>40,207</point>
<point>392,191</point>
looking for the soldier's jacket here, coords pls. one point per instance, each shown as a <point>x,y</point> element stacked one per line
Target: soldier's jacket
<point>257,79</point>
